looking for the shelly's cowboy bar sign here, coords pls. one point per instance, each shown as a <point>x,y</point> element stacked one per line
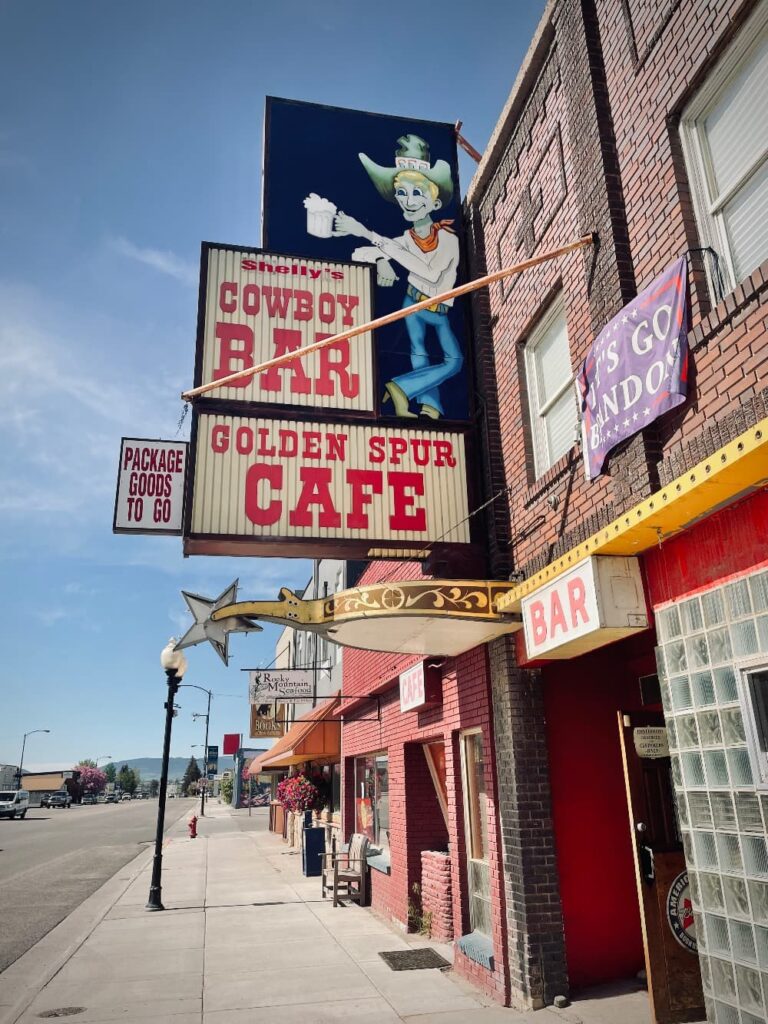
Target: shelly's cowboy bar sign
<point>358,448</point>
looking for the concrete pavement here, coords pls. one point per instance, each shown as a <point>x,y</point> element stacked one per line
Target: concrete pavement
<point>246,938</point>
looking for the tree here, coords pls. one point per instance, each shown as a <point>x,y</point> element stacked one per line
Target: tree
<point>92,779</point>
<point>87,762</point>
<point>111,772</point>
<point>226,789</point>
<point>191,774</point>
<point>127,779</point>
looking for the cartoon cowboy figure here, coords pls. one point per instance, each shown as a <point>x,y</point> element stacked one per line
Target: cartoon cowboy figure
<point>429,252</point>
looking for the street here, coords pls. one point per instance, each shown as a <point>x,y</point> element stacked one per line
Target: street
<point>54,859</point>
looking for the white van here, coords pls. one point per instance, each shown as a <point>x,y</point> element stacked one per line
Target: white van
<point>14,803</point>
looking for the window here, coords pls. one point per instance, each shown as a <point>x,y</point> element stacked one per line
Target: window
<point>372,798</point>
<point>551,396</point>
<point>725,139</point>
<point>476,826</point>
<point>756,693</point>
<point>332,775</point>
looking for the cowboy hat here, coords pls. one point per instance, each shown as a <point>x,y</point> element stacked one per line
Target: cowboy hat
<point>413,155</point>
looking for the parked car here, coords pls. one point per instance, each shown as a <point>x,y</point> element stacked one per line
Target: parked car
<point>57,799</point>
<point>126,796</point>
<point>110,798</point>
<point>138,796</point>
<point>14,803</point>
<point>89,798</point>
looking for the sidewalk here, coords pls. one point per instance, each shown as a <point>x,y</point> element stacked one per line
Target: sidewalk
<point>246,938</point>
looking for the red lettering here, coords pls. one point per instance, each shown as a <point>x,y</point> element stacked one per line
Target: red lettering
<point>251,301</point>
<point>243,440</point>
<point>263,515</point>
<point>376,448</point>
<point>277,299</point>
<point>556,614</point>
<point>403,501</point>
<point>334,359</point>
<point>313,448</point>
<point>127,458</point>
<point>538,623</point>
<point>361,482</point>
<point>227,304</point>
<point>286,340</point>
<point>326,307</point>
<point>577,598</point>
<point>235,352</point>
<point>397,446</point>
<point>302,309</point>
<point>220,438</point>
<point>348,303</point>
<point>444,454</point>
<point>315,490</point>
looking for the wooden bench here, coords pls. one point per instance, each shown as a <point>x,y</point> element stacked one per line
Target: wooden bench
<point>345,871</point>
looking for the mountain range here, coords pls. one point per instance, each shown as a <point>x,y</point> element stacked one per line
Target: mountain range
<point>149,767</point>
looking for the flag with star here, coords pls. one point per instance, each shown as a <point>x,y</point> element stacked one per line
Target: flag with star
<point>637,367</point>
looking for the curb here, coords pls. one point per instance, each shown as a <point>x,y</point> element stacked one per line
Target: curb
<point>42,962</point>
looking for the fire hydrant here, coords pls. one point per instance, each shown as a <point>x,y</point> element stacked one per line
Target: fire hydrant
<point>192,826</point>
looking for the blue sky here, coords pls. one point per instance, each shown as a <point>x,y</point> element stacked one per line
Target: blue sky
<point>128,134</point>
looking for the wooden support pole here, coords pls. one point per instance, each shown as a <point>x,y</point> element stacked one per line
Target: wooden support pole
<point>399,314</point>
<point>466,146</point>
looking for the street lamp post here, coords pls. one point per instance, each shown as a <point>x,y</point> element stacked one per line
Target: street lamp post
<point>23,746</point>
<point>102,757</point>
<point>207,717</point>
<point>174,664</point>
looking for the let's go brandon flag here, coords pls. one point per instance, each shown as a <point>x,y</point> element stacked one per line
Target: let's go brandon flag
<point>637,368</point>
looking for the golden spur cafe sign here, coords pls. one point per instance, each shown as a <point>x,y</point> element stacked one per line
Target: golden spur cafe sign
<point>293,459</point>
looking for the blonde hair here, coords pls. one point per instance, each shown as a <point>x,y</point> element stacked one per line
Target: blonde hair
<point>416,178</point>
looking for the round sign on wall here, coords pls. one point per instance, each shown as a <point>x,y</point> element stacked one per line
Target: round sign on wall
<point>680,912</point>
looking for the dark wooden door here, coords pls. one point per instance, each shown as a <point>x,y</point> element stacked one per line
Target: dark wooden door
<point>669,937</point>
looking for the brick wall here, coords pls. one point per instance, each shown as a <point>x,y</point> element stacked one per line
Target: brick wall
<point>436,896</point>
<point>596,148</point>
<point>416,822</point>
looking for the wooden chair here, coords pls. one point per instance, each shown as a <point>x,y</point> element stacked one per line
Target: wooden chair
<point>345,872</point>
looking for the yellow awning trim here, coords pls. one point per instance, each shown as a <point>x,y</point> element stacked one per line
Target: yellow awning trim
<point>729,473</point>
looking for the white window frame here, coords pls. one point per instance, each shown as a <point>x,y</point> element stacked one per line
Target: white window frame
<point>709,216</point>
<point>464,735</point>
<point>758,758</point>
<point>542,457</point>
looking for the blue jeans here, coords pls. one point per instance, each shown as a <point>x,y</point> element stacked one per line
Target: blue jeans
<point>423,381</point>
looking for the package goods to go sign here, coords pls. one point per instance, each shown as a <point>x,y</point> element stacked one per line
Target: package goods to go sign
<point>150,486</point>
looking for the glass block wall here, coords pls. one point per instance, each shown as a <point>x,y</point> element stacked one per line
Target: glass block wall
<point>723,815</point>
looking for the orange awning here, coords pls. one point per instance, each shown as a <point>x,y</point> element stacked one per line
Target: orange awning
<point>311,738</point>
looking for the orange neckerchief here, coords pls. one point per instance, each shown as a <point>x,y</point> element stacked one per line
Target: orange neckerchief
<point>429,244</point>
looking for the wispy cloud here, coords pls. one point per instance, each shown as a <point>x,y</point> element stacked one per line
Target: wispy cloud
<point>164,261</point>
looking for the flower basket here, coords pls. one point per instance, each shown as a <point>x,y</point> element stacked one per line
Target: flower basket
<point>298,794</point>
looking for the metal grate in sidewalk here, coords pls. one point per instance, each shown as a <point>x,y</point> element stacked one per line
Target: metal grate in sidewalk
<point>413,959</point>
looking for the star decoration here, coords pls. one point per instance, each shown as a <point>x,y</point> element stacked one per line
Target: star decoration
<point>216,633</point>
<point>634,314</point>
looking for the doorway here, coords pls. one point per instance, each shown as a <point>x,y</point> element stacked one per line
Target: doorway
<point>668,926</point>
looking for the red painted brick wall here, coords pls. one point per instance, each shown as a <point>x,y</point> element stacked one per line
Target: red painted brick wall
<point>436,896</point>
<point>416,822</point>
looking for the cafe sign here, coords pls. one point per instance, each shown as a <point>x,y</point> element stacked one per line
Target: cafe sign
<point>420,687</point>
<point>266,486</point>
<point>598,601</point>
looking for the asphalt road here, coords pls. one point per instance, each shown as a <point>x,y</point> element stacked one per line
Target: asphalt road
<point>54,859</point>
